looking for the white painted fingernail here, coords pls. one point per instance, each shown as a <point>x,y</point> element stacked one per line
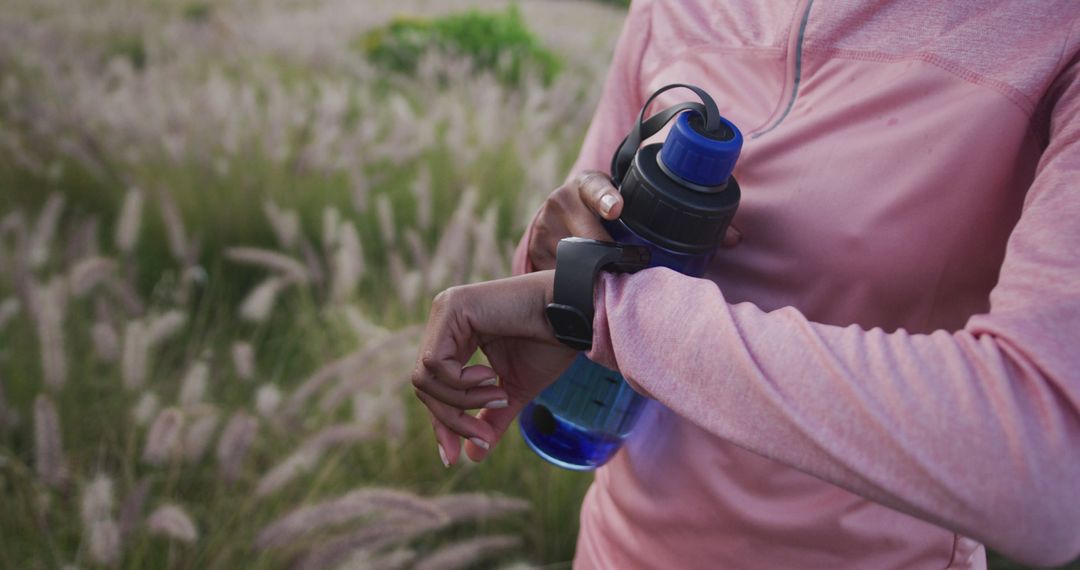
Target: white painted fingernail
<point>489,382</point>
<point>496,404</point>
<point>479,443</point>
<point>442,455</point>
<point>608,202</point>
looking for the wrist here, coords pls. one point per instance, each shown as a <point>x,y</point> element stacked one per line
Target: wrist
<point>545,282</point>
<point>578,264</point>
<point>510,307</point>
<point>542,285</point>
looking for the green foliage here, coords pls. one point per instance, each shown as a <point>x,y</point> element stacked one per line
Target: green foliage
<point>498,42</point>
<point>318,157</point>
<point>198,12</point>
<point>130,48</point>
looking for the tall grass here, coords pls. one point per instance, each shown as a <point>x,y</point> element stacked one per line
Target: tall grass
<point>219,229</point>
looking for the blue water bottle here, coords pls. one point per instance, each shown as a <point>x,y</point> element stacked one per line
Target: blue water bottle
<point>678,199</point>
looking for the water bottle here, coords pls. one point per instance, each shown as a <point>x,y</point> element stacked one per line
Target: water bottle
<point>678,199</point>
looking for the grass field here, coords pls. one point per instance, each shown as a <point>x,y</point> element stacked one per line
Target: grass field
<point>219,227</point>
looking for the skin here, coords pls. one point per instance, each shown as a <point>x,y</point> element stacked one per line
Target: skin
<point>505,320</point>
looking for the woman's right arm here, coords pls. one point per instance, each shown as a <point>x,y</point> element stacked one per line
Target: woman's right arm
<point>572,208</point>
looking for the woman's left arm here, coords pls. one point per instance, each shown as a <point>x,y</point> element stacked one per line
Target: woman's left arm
<point>977,430</point>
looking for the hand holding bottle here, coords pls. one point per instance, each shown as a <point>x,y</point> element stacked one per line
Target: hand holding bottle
<point>576,209</point>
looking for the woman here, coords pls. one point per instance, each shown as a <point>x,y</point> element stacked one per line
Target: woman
<point>885,372</point>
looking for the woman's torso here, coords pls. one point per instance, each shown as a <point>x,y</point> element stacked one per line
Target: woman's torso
<point>888,149</point>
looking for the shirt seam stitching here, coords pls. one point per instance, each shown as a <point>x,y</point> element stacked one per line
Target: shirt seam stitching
<point>1014,95</point>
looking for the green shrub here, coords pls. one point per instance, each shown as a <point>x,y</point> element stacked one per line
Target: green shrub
<point>198,12</point>
<point>130,48</point>
<point>498,42</point>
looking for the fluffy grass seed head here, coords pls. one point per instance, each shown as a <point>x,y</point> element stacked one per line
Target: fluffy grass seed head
<point>369,538</point>
<point>467,553</point>
<point>259,303</point>
<point>350,507</point>
<point>279,263</point>
<point>49,460</point>
<point>145,409</point>
<point>44,231</point>
<point>98,499</point>
<point>175,232</point>
<point>417,251</point>
<point>199,434</point>
<point>284,222</point>
<point>243,357</point>
<point>366,559</point>
<point>133,361</point>
<point>331,222</point>
<point>193,386</point>
<point>105,340</point>
<point>384,211</point>
<point>9,309</point>
<point>267,400</point>
<point>127,227</point>
<point>173,522</point>
<point>49,304</point>
<point>88,273</point>
<point>163,438</point>
<point>99,526</point>
<point>163,327</point>
<point>478,506</point>
<point>104,542</point>
<point>421,190</point>
<point>347,263</point>
<point>234,443</point>
<point>449,261</point>
<point>296,464</point>
<point>308,455</point>
<point>364,327</point>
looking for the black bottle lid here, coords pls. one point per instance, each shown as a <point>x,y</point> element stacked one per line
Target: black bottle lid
<point>672,214</point>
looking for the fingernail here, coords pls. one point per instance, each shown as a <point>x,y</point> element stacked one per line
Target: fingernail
<point>496,404</point>
<point>442,455</point>
<point>489,382</point>
<point>607,202</point>
<point>734,230</point>
<point>479,443</point>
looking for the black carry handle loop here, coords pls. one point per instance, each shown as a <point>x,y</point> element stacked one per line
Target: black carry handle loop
<point>643,129</point>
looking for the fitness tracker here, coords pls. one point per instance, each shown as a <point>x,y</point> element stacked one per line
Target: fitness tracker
<point>577,261</point>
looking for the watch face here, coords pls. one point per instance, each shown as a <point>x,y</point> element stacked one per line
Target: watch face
<point>571,326</point>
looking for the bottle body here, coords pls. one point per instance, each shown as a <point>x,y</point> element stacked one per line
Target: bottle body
<point>582,419</point>
<point>678,199</point>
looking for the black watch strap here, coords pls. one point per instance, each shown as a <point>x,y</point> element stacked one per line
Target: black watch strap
<point>577,262</point>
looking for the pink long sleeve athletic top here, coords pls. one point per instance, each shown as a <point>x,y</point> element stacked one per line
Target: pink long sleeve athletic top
<point>889,363</point>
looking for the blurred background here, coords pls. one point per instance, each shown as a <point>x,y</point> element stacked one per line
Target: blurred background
<point>221,223</point>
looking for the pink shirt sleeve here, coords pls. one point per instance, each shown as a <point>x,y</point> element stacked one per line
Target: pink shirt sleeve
<point>619,104</point>
<point>977,429</point>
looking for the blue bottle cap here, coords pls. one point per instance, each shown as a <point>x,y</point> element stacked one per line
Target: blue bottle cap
<point>705,159</point>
